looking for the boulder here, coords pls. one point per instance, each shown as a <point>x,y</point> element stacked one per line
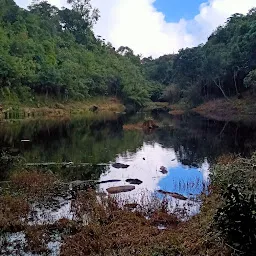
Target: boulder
<point>134,181</point>
<point>120,166</point>
<point>120,189</point>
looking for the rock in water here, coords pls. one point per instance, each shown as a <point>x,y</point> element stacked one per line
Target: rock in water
<point>107,181</point>
<point>163,170</point>
<point>134,181</point>
<point>120,189</point>
<point>120,166</point>
<point>175,195</point>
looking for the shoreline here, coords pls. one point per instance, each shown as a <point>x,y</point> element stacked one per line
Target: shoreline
<point>55,109</point>
<point>237,110</point>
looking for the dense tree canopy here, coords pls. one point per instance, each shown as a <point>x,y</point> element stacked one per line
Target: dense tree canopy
<point>49,51</point>
<point>217,68</point>
<point>54,52</point>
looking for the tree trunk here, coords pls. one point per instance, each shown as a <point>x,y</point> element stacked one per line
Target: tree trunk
<point>235,81</point>
<point>218,84</point>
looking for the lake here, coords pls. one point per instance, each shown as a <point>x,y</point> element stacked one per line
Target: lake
<point>174,158</point>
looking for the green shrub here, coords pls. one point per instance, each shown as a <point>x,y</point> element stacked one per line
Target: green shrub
<point>236,220</point>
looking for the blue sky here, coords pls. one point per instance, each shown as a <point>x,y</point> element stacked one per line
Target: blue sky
<point>174,10</point>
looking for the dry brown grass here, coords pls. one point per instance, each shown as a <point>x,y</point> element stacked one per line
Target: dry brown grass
<point>108,228</point>
<point>37,238</point>
<point>33,183</point>
<point>226,159</point>
<point>177,112</point>
<point>13,213</point>
<point>146,126</point>
<point>49,109</point>
<point>198,237</point>
<point>133,127</point>
<point>103,226</point>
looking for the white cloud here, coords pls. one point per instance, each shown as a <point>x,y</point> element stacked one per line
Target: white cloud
<point>137,24</point>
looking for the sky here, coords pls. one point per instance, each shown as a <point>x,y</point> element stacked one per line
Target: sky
<point>158,27</point>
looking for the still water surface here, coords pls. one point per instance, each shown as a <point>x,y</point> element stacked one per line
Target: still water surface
<point>186,146</point>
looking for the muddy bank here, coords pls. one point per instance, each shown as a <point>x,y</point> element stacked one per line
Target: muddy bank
<point>234,110</point>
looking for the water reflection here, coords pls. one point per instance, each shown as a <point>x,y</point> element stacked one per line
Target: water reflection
<point>186,146</point>
<point>145,165</point>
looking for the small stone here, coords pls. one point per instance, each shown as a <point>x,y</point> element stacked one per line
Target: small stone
<point>120,166</point>
<point>120,189</point>
<point>134,181</point>
<point>163,170</point>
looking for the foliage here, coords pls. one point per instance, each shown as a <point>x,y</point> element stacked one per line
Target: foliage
<point>250,81</point>
<point>171,93</point>
<point>236,217</point>
<point>217,68</point>
<point>54,52</point>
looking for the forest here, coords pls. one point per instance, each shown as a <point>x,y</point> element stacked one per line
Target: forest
<point>54,53</point>
<point>222,67</point>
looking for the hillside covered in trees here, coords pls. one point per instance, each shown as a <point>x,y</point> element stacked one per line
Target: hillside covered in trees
<point>224,66</point>
<point>53,52</point>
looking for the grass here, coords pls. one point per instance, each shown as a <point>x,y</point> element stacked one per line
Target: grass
<point>156,105</point>
<point>53,108</point>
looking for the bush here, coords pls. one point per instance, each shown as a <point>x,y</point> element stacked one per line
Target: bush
<point>236,220</point>
<point>250,81</point>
